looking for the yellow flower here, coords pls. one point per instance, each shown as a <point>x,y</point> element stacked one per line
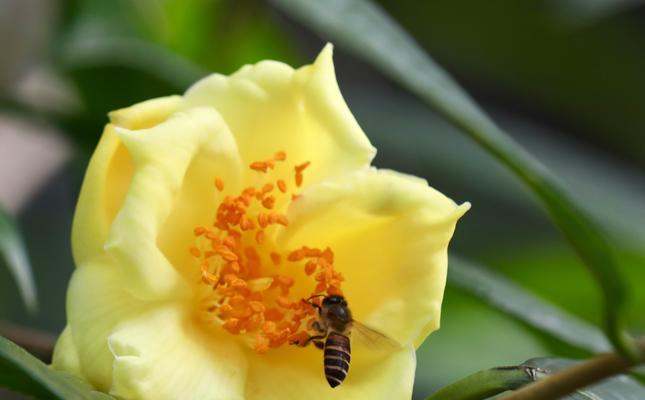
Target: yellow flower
<point>205,219</point>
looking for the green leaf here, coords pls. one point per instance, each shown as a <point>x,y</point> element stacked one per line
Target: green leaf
<point>514,300</point>
<point>490,382</point>
<point>487,383</point>
<point>366,31</point>
<point>24,373</point>
<point>619,387</point>
<point>12,249</point>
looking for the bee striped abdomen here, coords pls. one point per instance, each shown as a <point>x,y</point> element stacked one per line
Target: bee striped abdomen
<point>337,357</point>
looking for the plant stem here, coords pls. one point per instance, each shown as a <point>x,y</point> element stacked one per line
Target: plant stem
<point>579,376</point>
<point>39,343</point>
<point>487,383</point>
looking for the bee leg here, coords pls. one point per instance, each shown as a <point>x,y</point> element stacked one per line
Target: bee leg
<point>311,303</point>
<point>319,344</point>
<point>318,328</point>
<point>315,338</point>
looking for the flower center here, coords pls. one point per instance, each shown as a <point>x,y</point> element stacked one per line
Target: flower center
<point>249,286</point>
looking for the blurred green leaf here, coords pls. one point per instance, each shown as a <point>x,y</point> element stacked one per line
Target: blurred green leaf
<point>124,52</point>
<point>516,301</point>
<point>12,249</point>
<point>619,387</point>
<point>582,72</point>
<point>370,34</point>
<point>97,51</point>
<point>113,72</point>
<point>582,12</point>
<point>24,373</point>
<point>214,34</point>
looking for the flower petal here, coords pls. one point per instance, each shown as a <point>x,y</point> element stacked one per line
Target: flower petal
<point>166,158</point>
<point>270,107</point>
<point>65,355</point>
<point>96,304</point>
<point>146,114</point>
<point>300,375</point>
<point>108,176</point>
<point>390,234</point>
<point>161,355</point>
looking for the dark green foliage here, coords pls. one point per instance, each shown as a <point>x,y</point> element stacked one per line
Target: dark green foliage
<point>22,372</point>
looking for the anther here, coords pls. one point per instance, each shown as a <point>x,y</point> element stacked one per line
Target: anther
<point>282,185</point>
<point>283,302</point>
<point>310,267</point>
<point>238,283</point>
<point>296,255</point>
<point>275,258</point>
<point>257,307</point>
<point>260,166</point>
<point>260,236</point>
<point>268,202</point>
<point>219,184</point>
<point>261,344</point>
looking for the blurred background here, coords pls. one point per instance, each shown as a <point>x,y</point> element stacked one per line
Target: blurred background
<point>564,77</point>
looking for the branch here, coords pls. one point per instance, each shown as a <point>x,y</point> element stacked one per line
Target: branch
<point>38,343</point>
<point>579,376</point>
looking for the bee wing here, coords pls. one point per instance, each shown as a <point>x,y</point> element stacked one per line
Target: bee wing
<point>373,338</point>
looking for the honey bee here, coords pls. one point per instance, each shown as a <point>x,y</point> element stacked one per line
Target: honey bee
<point>333,327</point>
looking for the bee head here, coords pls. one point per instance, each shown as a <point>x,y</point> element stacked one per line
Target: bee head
<point>334,300</point>
<point>335,309</point>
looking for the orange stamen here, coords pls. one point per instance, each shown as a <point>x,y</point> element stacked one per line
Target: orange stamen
<point>239,265</point>
<point>283,302</point>
<point>303,166</point>
<point>280,156</point>
<point>219,184</point>
<point>275,258</point>
<point>261,344</point>
<point>268,202</point>
<point>310,267</point>
<point>259,237</point>
<point>282,185</point>
<point>260,166</point>
<point>267,188</point>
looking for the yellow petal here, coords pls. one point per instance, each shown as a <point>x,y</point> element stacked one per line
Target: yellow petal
<point>270,107</point>
<point>108,176</point>
<point>390,235</point>
<point>96,304</point>
<point>161,355</point>
<point>65,356</point>
<point>146,114</point>
<point>299,374</point>
<point>183,152</point>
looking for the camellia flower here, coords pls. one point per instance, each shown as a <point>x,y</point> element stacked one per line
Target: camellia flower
<point>204,221</point>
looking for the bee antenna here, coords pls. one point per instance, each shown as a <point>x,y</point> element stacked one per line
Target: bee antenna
<point>308,301</point>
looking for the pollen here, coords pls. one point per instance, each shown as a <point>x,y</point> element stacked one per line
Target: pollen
<point>250,280</point>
